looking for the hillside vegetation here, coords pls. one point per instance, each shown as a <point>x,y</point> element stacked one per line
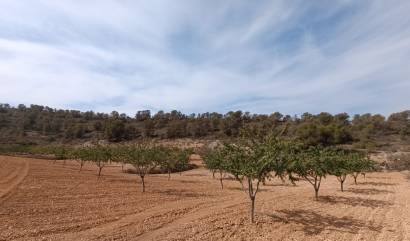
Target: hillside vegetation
<point>36,124</point>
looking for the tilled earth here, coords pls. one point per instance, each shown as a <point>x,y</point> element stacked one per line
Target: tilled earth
<point>42,200</point>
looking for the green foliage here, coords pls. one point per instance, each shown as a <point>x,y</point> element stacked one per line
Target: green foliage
<point>324,129</point>
<point>99,155</point>
<point>313,165</point>
<point>251,159</point>
<point>144,157</point>
<point>182,159</point>
<point>359,163</point>
<point>340,166</point>
<point>60,152</point>
<point>43,124</point>
<point>216,162</point>
<point>115,130</point>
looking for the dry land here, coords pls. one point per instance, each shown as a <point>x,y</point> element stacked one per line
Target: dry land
<point>42,200</point>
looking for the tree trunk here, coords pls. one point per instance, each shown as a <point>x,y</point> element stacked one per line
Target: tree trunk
<point>99,171</point>
<point>341,179</point>
<point>282,179</point>
<point>143,183</point>
<point>252,195</point>
<point>317,186</point>
<point>253,209</point>
<point>221,179</point>
<point>169,174</point>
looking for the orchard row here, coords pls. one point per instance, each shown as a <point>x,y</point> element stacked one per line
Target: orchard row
<point>144,157</point>
<point>252,161</point>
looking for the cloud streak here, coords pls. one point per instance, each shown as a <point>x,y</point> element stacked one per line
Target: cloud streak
<point>196,56</point>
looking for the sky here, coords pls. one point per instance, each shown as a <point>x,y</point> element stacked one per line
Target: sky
<point>202,56</point>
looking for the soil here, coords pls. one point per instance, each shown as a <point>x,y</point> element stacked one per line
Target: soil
<point>42,200</point>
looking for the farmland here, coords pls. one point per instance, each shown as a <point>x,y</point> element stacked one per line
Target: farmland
<point>42,200</point>
<point>204,120</point>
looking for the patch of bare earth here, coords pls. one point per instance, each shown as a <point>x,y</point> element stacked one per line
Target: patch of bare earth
<point>46,201</point>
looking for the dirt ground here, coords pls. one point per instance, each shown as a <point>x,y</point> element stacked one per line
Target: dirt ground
<point>40,200</point>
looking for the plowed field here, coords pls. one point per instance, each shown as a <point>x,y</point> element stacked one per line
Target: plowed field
<point>42,200</point>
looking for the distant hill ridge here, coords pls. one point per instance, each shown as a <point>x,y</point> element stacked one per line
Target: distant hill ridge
<point>42,124</point>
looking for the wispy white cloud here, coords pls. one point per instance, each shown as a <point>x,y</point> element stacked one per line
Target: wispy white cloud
<point>199,56</point>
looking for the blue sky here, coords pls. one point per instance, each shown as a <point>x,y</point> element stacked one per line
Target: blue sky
<point>197,56</point>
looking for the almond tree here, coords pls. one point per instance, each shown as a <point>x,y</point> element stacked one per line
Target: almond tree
<point>100,156</point>
<point>216,161</point>
<point>312,165</point>
<point>173,159</point>
<point>359,164</point>
<point>340,166</point>
<point>252,159</point>
<point>119,155</point>
<point>144,158</point>
<point>368,166</point>
<point>167,158</point>
<point>60,153</point>
<point>182,156</point>
<point>80,155</point>
<point>233,163</point>
<point>282,155</point>
<point>254,167</point>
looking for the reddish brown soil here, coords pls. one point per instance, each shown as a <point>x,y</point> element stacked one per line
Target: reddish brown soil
<point>40,200</point>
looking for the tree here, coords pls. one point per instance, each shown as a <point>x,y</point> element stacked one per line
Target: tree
<point>167,159</point>
<point>339,166</point>
<point>182,157</point>
<point>144,158</point>
<point>359,163</point>
<point>312,165</point>
<point>282,155</point>
<point>119,155</point>
<point>233,162</point>
<point>81,155</point>
<point>115,129</point>
<point>100,155</point>
<point>60,153</point>
<point>254,167</point>
<point>215,161</point>
<point>251,158</point>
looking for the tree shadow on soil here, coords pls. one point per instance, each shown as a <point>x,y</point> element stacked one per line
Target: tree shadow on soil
<point>368,191</point>
<point>121,180</point>
<point>186,181</point>
<point>261,189</point>
<point>195,175</point>
<point>377,183</point>
<point>235,188</point>
<point>354,201</point>
<point>279,185</point>
<point>385,178</point>
<point>314,223</point>
<point>182,193</point>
